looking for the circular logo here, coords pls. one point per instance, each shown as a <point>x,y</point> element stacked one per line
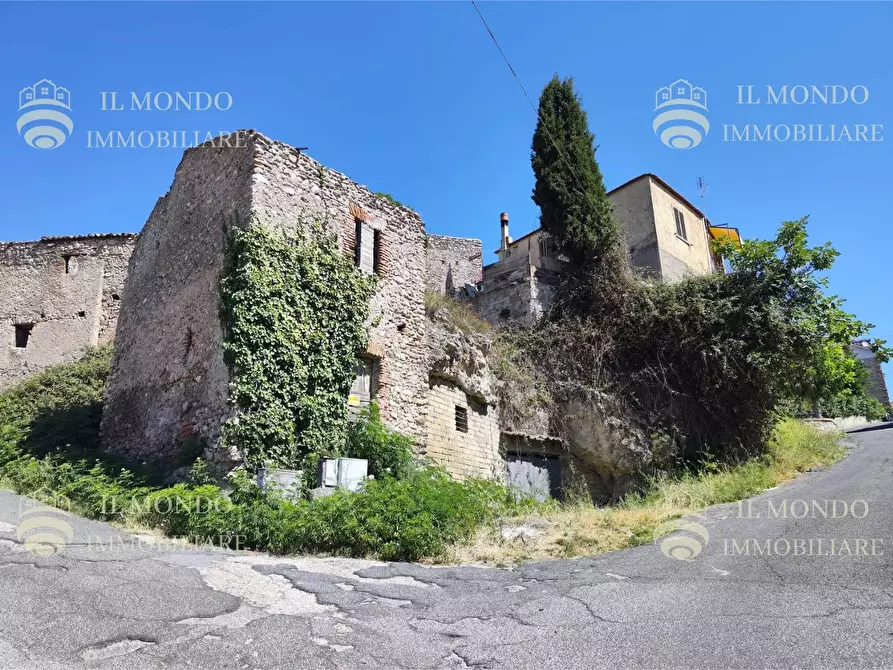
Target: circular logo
<point>682,539</point>
<point>680,122</point>
<point>44,121</point>
<point>43,530</point>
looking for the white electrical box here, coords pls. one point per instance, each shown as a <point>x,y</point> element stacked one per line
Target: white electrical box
<point>343,473</point>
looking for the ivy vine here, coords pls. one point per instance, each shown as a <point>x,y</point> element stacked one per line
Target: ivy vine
<point>294,311</point>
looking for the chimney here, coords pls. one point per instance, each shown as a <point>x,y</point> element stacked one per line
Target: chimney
<point>504,224</point>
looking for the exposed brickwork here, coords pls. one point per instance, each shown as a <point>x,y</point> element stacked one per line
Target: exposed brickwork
<point>452,262</point>
<point>68,288</point>
<point>472,453</point>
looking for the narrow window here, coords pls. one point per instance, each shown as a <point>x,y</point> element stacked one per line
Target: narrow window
<point>68,267</point>
<point>23,334</point>
<point>376,252</point>
<point>358,243</point>
<point>362,385</point>
<point>461,419</point>
<point>365,249</point>
<point>680,224</point>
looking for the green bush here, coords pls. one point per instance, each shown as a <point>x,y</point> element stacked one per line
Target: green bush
<point>57,410</point>
<point>389,453</point>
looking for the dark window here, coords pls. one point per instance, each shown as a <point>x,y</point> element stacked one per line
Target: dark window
<point>376,252</point>
<point>461,419</point>
<point>71,265</point>
<point>23,334</point>
<point>547,246</point>
<point>680,224</point>
<point>358,243</point>
<point>115,296</point>
<point>504,314</point>
<point>83,315</point>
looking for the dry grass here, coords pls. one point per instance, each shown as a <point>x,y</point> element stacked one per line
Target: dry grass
<point>584,530</point>
<point>456,314</point>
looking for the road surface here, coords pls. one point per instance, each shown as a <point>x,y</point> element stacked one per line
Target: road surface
<point>739,603</point>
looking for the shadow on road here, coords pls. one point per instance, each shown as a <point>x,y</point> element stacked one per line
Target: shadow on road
<point>883,426</point>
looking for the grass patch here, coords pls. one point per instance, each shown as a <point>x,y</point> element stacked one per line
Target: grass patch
<point>457,315</point>
<point>580,530</point>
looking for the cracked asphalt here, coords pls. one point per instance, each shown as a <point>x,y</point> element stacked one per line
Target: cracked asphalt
<point>105,601</point>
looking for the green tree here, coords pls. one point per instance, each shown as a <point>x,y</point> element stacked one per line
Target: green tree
<point>569,190</point>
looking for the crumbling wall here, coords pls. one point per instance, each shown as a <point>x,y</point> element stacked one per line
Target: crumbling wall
<point>452,262</point>
<point>169,384</point>
<point>290,187</point>
<point>62,295</point>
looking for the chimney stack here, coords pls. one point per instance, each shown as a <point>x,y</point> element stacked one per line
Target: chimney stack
<point>504,224</point>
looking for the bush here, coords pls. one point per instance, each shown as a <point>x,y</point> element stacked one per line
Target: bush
<point>457,315</point>
<point>389,453</point>
<point>57,410</point>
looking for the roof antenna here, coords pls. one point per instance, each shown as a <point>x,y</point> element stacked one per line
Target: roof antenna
<point>702,188</point>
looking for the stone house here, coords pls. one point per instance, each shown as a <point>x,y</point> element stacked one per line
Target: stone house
<point>169,382</point>
<point>60,295</point>
<point>668,238</point>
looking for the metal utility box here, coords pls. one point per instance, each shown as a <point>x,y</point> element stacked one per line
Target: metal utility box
<point>344,473</point>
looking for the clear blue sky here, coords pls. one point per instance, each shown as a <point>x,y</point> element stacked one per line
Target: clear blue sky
<point>413,99</point>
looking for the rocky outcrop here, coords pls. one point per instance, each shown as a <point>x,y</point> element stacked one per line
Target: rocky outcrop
<point>460,358</point>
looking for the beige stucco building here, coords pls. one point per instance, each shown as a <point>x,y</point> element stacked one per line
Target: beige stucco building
<point>667,236</point>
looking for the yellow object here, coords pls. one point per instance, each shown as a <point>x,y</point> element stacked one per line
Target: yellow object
<point>720,233</point>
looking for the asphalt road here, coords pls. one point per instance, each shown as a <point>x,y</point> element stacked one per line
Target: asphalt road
<point>106,602</point>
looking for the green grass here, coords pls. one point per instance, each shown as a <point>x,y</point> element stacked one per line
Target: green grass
<point>456,314</point>
<point>582,529</point>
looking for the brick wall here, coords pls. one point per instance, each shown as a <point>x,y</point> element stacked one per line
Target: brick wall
<point>65,293</point>
<point>474,453</point>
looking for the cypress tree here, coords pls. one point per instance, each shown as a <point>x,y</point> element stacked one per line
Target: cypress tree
<point>569,190</point>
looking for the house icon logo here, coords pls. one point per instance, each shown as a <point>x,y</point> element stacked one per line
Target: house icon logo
<point>680,122</point>
<point>44,121</point>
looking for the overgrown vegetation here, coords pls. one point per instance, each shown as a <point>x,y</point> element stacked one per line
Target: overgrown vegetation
<point>455,314</point>
<point>294,310</point>
<point>582,529</point>
<point>704,363</point>
<point>409,512</point>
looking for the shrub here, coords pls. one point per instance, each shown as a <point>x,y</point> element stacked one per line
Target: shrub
<point>457,315</point>
<point>389,453</point>
<point>57,410</point>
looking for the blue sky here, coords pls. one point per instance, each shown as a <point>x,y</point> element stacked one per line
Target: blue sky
<point>413,99</point>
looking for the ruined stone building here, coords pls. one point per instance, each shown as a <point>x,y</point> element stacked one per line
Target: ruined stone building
<point>169,381</point>
<point>60,295</point>
<point>877,385</point>
<point>157,294</point>
<point>668,238</point>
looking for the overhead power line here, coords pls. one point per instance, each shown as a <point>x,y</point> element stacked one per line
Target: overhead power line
<point>534,107</point>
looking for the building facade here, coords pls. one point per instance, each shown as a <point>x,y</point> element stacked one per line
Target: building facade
<point>169,382</point>
<point>60,295</point>
<point>668,238</point>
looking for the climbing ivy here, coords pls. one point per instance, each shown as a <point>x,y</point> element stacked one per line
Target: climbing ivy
<point>294,310</point>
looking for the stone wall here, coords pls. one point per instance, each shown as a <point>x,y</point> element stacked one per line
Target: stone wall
<point>61,295</point>
<point>169,381</point>
<point>452,262</point>
<point>516,291</point>
<point>473,452</point>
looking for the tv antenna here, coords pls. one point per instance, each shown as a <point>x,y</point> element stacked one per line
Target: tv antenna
<point>702,189</point>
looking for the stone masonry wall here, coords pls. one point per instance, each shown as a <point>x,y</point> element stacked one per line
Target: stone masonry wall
<point>67,290</point>
<point>169,381</point>
<point>453,261</point>
<point>474,453</point>
<point>290,187</point>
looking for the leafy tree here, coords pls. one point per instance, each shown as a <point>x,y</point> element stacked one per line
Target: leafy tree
<point>569,190</point>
